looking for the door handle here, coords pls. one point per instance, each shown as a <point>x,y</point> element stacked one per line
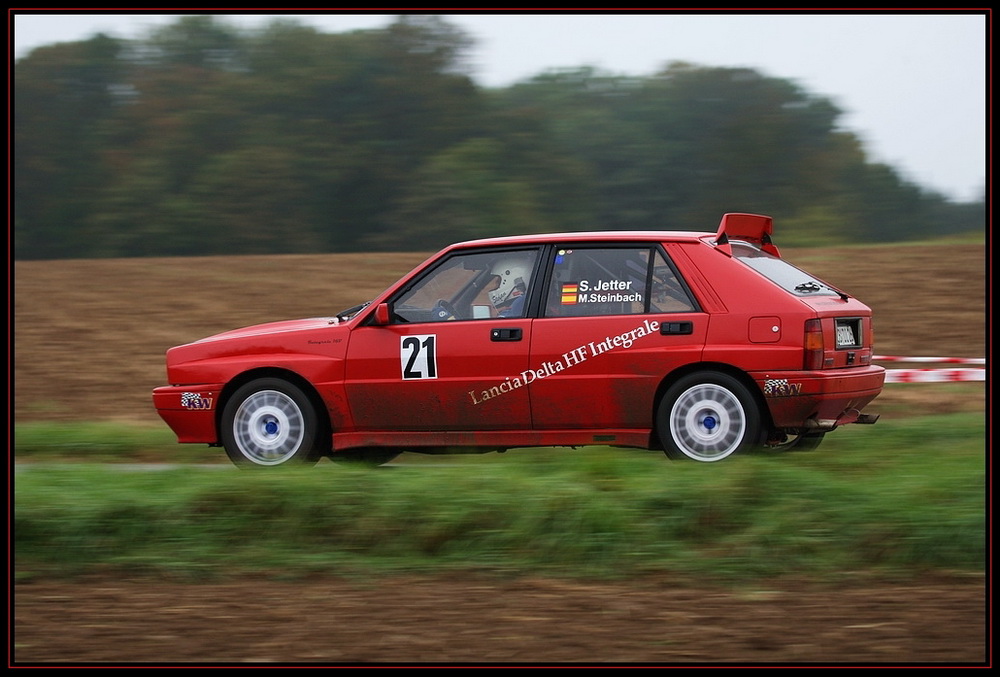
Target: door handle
<point>505,334</point>
<point>677,328</point>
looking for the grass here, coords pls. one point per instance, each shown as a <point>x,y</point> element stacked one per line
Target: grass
<point>104,442</point>
<point>900,498</point>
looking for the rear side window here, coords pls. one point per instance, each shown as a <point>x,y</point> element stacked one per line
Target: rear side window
<point>590,282</point>
<point>779,271</point>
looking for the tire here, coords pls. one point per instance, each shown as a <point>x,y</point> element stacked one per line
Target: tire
<point>369,457</point>
<point>271,422</point>
<point>708,416</point>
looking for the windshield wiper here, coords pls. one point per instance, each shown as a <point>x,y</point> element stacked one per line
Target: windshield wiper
<point>352,311</point>
<point>806,287</point>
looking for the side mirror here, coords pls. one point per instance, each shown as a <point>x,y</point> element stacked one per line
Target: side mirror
<point>382,314</point>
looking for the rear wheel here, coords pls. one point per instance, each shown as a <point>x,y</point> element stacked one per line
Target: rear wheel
<point>708,416</point>
<point>271,422</point>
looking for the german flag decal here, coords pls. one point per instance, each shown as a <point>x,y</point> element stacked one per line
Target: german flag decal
<point>569,291</point>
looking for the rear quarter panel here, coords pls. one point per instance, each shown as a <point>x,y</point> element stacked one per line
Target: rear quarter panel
<point>754,324</point>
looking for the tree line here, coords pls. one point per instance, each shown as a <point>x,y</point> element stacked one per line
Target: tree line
<point>205,139</point>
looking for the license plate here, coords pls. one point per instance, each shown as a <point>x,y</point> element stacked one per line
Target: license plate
<point>845,336</point>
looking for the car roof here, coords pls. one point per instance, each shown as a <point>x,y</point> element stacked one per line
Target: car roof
<point>616,236</point>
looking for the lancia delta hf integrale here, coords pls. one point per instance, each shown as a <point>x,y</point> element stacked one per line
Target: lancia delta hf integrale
<point>701,345</point>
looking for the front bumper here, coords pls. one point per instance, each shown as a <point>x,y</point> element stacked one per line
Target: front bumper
<point>190,411</point>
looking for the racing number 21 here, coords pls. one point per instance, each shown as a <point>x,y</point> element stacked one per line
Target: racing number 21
<point>418,356</point>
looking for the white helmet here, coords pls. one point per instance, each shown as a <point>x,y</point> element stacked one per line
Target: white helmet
<point>514,274</point>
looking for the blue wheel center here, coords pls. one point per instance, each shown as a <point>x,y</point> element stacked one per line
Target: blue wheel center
<point>709,422</point>
<point>271,428</point>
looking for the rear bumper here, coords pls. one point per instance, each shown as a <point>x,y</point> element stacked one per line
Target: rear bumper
<point>820,400</point>
<point>190,411</point>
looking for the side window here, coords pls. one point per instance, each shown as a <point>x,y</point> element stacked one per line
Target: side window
<point>667,294</point>
<point>613,281</point>
<point>475,286</point>
<point>588,282</point>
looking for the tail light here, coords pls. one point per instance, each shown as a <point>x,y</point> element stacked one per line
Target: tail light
<point>812,345</point>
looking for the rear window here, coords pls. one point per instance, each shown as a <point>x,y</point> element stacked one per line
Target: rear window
<point>779,271</point>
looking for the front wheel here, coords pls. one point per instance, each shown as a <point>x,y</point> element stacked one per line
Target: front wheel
<point>271,422</point>
<point>708,416</point>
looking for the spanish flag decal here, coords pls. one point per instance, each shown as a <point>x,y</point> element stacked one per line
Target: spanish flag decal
<point>569,294</point>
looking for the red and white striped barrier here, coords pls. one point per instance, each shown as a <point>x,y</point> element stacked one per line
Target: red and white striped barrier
<point>932,375</point>
<point>934,360</point>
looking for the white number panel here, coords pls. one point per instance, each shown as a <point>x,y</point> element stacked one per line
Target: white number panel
<point>418,356</point>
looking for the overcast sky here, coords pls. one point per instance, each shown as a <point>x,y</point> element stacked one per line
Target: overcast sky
<point>912,86</point>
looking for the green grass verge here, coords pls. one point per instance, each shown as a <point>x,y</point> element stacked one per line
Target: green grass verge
<point>899,498</point>
<point>105,442</point>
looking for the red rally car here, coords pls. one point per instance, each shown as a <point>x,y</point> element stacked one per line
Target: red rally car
<point>699,344</point>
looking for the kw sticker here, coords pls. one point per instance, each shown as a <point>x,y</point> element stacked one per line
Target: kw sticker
<point>195,401</point>
<point>780,387</point>
<point>568,360</point>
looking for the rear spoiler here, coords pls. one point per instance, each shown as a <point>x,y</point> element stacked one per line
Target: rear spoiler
<point>752,228</point>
